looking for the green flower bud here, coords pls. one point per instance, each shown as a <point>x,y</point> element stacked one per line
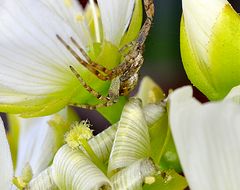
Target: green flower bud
<point>210,43</point>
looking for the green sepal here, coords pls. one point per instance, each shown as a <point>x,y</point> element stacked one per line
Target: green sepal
<point>224,54</point>
<point>113,113</point>
<point>197,73</point>
<point>158,135</point>
<point>135,24</point>
<point>168,180</point>
<point>149,91</point>
<point>170,159</point>
<point>13,135</point>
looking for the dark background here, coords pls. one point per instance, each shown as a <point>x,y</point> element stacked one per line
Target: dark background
<point>162,54</point>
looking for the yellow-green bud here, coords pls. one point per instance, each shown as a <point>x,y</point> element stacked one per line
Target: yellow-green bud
<point>210,46</point>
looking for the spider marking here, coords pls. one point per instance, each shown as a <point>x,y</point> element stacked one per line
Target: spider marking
<point>124,77</point>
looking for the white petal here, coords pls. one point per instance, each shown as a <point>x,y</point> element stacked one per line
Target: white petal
<point>32,60</point>
<point>115,16</point>
<point>6,167</point>
<point>37,144</point>
<point>200,17</point>
<point>71,11</point>
<point>207,141</point>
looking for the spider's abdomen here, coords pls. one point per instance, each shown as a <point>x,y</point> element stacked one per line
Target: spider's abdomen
<point>128,85</point>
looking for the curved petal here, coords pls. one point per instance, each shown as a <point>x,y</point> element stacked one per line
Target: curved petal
<point>132,140</point>
<point>37,144</point>
<point>207,141</point>
<point>115,16</point>
<point>33,63</point>
<point>72,169</point>
<point>6,167</point>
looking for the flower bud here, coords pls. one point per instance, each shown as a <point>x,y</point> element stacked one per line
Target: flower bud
<point>210,44</point>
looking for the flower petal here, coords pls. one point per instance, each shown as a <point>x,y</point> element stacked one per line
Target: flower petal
<point>6,167</point>
<point>72,169</point>
<point>34,64</point>
<point>207,140</point>
<point>37,144</point>
<point>199,18</point>
<point>72,13</point>
<point>132,140</point>
<point>134,175</point>
<point>115,16</point>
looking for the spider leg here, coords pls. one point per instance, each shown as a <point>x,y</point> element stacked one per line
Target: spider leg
<point>90,62</point>
<point>109,100</point>
<point>137,45</point>
<point>88,88</point>
<point>90,67</point>
<point>128,45</point>
<point>94,107</point>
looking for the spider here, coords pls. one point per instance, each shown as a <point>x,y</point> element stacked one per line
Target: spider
<point>124,77</point>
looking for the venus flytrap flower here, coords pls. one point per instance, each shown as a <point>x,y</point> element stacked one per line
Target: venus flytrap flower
<point>77,138</point>
<point>207,140</point>
<point>34,72</point>
<point>209,46</point>
<point>37,144</point>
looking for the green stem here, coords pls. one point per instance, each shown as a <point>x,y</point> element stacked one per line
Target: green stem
<point>94,157</point>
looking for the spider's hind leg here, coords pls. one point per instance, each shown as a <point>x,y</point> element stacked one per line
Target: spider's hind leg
<point>107,100</point>
<point>87,87</point>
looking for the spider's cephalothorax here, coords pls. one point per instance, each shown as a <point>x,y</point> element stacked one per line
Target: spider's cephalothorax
<point>124,77</point>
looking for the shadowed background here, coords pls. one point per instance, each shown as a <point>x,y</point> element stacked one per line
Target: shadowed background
<point>162,54</point>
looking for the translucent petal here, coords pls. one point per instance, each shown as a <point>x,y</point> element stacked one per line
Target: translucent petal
<point>115,16</point>
<point>207,141</point>
<point>37,144</point>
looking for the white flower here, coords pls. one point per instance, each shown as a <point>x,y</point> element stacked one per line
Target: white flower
<point>207,140</point>
<point>200,18</point>
<point>35,78</point>
<point>209,39</point>
<point>37,145</point>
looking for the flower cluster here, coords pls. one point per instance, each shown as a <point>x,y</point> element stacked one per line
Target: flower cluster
<point>47,54</point>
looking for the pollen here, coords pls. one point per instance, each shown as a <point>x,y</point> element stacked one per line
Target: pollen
<point>149,180</point>
<point>68,3</point>
<point>80,132</point>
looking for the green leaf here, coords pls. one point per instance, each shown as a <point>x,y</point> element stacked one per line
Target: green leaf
<point>169,180</point>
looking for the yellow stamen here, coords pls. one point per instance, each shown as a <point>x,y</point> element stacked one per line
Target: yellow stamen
<point>79,133</point>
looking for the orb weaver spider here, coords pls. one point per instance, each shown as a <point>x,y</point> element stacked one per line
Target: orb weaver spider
<point>124,77</point>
